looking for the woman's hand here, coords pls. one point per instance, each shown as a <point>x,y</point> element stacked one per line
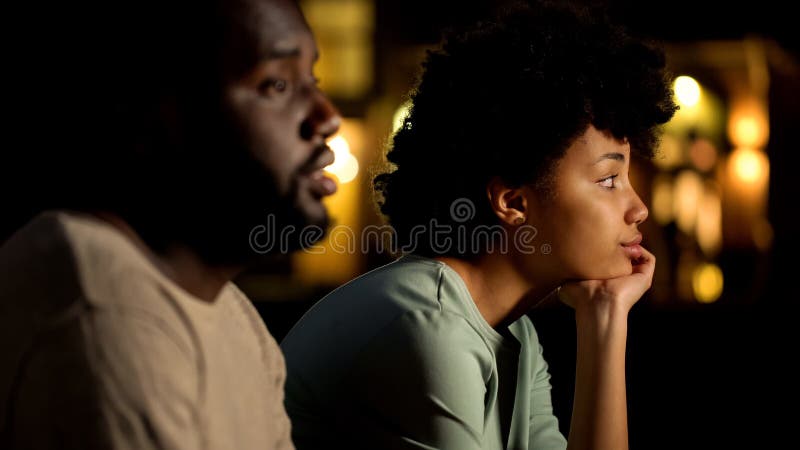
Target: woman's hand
<point>611,295</point>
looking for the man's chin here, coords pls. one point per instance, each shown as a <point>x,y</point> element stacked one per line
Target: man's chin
<point>245,236</point>
<point>299,227</point>
<point>315,214</point>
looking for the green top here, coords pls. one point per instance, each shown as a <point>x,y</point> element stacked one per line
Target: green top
<point>402,358</point>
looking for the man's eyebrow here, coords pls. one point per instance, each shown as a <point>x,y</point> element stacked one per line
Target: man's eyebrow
<point>280,53</point>
<point>615,156</point>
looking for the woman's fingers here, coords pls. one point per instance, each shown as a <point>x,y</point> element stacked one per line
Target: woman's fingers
<point>645,267</point>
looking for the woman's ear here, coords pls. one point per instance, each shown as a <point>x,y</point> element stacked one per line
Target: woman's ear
<point>509,204</point>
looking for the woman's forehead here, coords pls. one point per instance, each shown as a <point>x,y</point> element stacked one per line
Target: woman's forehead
<point>594,146</point>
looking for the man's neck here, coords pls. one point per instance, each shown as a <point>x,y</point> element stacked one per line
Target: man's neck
<point>501,293</point>
<point>179,263</point>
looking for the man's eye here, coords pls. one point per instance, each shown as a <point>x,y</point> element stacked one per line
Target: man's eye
<point>272,86</point>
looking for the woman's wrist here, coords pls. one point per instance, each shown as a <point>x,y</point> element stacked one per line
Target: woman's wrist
<point>601,309</point>
<point>601,315</point>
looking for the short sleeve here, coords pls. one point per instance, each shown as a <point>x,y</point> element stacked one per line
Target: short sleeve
<point>107,380</point>
<point>544,432</point>
<point>420,384</point>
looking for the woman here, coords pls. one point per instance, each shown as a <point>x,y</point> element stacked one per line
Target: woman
<point>511,183</point>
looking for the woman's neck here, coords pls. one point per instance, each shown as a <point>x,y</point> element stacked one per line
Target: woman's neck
<point>501,293</point>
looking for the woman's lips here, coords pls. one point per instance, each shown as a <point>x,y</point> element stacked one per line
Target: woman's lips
<point>633,248</point>
<point>633,251</point>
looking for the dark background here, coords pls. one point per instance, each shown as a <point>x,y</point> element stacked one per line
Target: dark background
<point>716,376</point>
<point>711,376</point>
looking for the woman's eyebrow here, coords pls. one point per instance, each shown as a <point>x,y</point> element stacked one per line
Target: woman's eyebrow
<point>615,156</point>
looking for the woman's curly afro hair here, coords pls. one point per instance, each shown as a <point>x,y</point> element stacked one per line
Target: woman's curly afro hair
<point>505,99</point>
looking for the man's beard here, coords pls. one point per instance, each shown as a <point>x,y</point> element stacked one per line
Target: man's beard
<point>232,221</point>
<point>244,233</point>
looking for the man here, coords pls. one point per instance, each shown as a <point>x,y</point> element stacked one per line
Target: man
<point>167,133</point>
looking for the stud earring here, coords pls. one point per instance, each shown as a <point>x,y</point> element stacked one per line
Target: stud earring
<point>519,220</point>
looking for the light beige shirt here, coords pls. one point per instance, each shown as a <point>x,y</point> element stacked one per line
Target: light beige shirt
<point>98,349</point>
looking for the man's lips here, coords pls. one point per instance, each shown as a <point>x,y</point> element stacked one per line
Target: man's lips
<point>320,184</point>
<point>323,157</point>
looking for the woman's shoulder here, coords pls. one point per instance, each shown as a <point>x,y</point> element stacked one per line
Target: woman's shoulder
<point>407,284</point>
<point>399,300</point>
<point>432,338</point>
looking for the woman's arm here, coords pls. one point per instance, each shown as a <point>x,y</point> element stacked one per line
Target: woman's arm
<point>599,414</point>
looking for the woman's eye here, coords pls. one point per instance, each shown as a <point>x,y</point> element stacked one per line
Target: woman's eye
<point>608,182</point>
<point>272,86</point>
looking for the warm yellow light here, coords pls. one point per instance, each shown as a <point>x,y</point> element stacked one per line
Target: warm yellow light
<point>338,257</point>
<point>748,124</point>
<point>709,222</point>
<point>709,116</point>
<point>763,234</point>
<point>687,196</point>
<point>670,152</point>
<point>345,166</point>
<point>703,154</point>
<point>707,282</point>
<point>339,145</point>
<point>662,199</point>
<point>747,128</point>
<point>687,91</point>
<point>348,170</point>
<point>400,116</point>
<point>344,32</point>
<point>749,166</point>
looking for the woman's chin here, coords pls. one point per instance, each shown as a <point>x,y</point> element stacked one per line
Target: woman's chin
<point>608,272</point>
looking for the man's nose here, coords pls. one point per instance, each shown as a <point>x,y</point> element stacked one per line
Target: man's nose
<point>324,119</point>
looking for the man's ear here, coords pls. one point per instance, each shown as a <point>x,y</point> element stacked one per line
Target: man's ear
<point>509,204</point>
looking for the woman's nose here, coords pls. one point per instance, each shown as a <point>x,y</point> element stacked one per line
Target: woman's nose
<point>638,211</point>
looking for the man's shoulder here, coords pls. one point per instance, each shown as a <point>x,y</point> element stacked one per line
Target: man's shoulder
<point>62,261</point>
<point>38,260</point>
